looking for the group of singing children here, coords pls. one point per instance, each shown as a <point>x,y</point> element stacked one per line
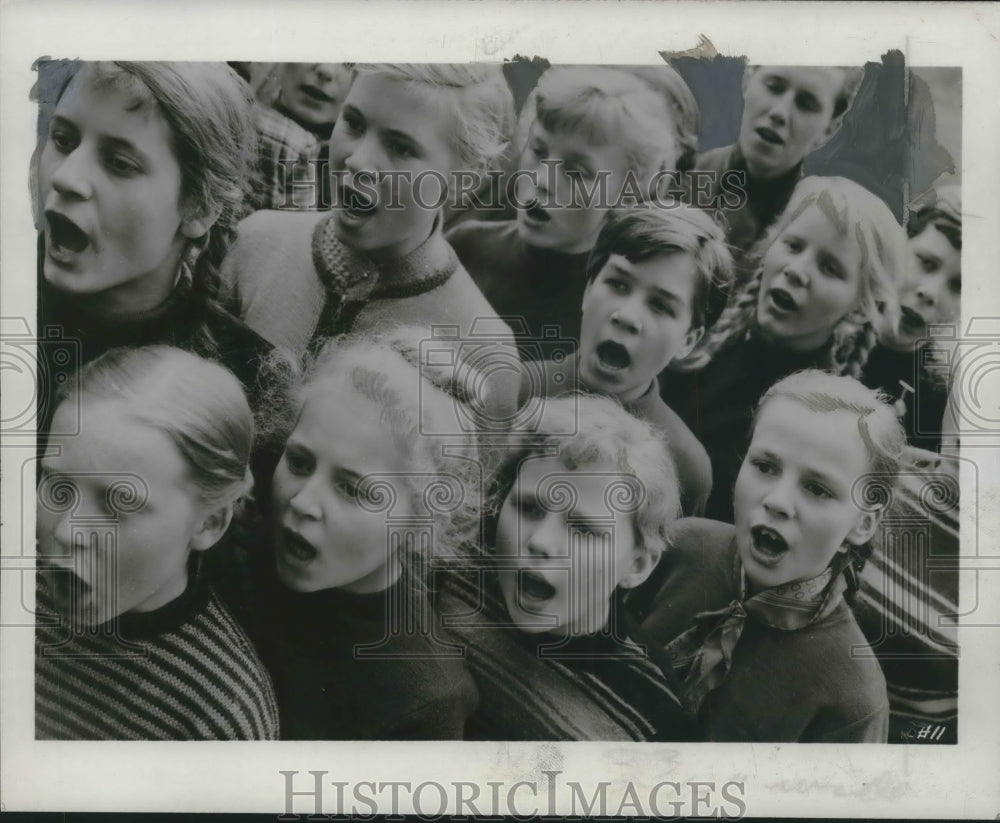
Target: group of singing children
<point>294,517</point>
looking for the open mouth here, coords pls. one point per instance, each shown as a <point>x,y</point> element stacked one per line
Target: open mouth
<point>296,547</point>
<point>767,544</point>
<point>911,320</point>
<point>536,213</point>
<point>357,204</point>
<point>769,136</point>
<point>613,356</point>
<point>315,93</point>
<point>533,586</point>
<point>782,300</point>
<point>64,234</point>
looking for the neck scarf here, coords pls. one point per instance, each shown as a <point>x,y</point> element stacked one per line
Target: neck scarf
<point>707,647</point>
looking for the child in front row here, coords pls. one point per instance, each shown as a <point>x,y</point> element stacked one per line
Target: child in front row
<point>753,615</point>
<point>579,514</point>
<point>361,502</point>
<point>656,278</point>
<point>825,282</point>
<point>132,642</point>
<point>593,125</point>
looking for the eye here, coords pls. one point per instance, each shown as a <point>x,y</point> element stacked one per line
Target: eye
<point>299,462</point>
<point>818,490</point>
<point>663,307</point>
<point>121,165</point>
<point>617,285</point>
<point>794,244</point>
<point>766,467</point>
<point>928,265</point>
<point>538,149</point>
<point>955,284</point>
<point>808,103</point>
<point>63,140</point>
<point>353,124</point>
<point>529,508</point>
<point>775,85</point>
<point>349,487</point>
<point>832,268</point>
<point>403,149</point>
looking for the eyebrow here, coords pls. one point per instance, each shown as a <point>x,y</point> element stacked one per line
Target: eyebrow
<point>616,268</point>
<point>579,159</point>
<point>402,135</point>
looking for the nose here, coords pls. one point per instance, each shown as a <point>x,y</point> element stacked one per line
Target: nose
<point>72,176</point>
<point>778,108</point>
<point>543,542</point>
<point>365,157</point>
<point>324,73</point>
<point>306,502</point>
<point>797,271</point>
<point>778,501</point>
<point>928,290</point>
<point>627,316</point>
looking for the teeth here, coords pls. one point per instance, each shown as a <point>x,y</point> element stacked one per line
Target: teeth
<point>613,355</point>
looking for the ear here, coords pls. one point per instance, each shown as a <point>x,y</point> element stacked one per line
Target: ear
<point>695,333</point>
<point>212,526</point>
<point>641,568</point>
<point>864,529</point>
<point>198,222</point>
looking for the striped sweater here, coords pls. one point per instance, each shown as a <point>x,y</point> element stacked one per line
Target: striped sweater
<point>536,687</point>
<point>183,672</point>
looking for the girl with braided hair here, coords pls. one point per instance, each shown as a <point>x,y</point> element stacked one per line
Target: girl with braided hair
<point>753,617</point>
<point>824,285</point>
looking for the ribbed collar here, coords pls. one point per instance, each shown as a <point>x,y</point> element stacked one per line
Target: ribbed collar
<point>355,276</point>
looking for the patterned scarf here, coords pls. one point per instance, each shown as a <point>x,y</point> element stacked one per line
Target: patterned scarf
<point>706,649</point>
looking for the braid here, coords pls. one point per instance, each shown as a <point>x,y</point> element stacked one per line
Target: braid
<point>850,351</point>
<point>735,320</point>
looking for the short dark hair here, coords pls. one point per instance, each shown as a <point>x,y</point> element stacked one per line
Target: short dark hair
<point>664,228</point>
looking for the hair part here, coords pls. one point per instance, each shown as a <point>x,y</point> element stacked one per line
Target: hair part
<point>671,228</point>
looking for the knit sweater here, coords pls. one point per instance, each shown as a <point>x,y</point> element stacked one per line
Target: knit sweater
<point>536,687</point>
<point>764,200</point>
<point>292,280</point>
<point>694,470</point>
<point>185,671</point>
<point>343,673</point>
<point>531,288</point>
<point>819,684</point>
<point>718,402</point>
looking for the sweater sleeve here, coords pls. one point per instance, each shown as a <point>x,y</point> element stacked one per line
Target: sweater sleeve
<point>442,716</point>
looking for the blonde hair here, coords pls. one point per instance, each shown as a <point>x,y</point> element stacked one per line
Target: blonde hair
<point>878,428</point>
<point>198,404</point>
<point>609,107</point>
<point>478,98</point>
<point>385,370</point>
<point>589,430</point>
<point>857,213</point>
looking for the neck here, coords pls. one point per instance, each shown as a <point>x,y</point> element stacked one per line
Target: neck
<point>379,580</point>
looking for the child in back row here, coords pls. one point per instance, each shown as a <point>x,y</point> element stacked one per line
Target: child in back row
<point>753,616</point>
<point>930,294</point>
<point>591,130</point>
<point>379,258</point>
<point>578,515</point>
<point>132,641</point>
<point>657,277</point>
<point>825,282</point>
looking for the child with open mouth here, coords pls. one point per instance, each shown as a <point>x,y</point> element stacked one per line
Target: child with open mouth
<point>823,287</point>
<point>930,294</point>
<point>578,516</point>
<point>133,641</point>
<point>142,175</point>
<point>753,615</point>
<point>379,259</point>
<point>361,502</point>
<point>586,130</point>
<point>656,278</point>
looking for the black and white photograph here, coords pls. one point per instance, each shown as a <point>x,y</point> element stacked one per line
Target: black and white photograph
<point>486,423</point>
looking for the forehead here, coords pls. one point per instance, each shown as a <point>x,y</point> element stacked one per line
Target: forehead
<point>413,108</point>
<point>599,154</point>
<point>826,443</point>
<point>339,424</point>
<point>933,240</point>
<point>587,491</point>
<point>824,82</point>
<point>111,441</point>
<point>674,272</point>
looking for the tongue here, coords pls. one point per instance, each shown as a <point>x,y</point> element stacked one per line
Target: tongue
<point>614,355</point>
<point>66,233</point>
